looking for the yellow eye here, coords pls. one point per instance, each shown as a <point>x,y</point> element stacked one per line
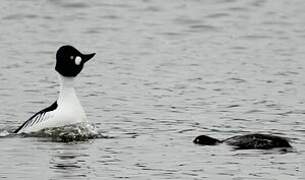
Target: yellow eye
<point>71,57</point>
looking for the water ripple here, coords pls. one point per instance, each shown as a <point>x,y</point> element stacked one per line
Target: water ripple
<point>166,71</point>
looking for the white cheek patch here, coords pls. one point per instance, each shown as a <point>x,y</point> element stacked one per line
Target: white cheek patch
<point>78,60</point>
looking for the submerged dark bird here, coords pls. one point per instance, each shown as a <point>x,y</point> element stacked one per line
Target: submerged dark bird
<point>249,141</point>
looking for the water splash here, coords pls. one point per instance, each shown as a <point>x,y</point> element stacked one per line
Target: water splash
<point>4,133</point>
<point>75,132</point>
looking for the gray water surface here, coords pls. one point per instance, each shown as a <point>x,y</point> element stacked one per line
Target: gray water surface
<point>164,72</point>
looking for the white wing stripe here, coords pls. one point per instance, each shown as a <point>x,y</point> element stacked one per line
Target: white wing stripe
<point>37,119</point>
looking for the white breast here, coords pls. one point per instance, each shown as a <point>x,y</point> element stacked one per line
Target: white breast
<point>66,113</point>
<point>69,110</point>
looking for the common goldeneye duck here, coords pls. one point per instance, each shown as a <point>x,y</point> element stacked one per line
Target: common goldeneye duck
<point>249,141</point>
<point>67,109</point>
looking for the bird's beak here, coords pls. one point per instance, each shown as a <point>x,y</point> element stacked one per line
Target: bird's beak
<point>87,57</point>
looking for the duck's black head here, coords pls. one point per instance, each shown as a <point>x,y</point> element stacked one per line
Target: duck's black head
<point>69,61</point>
<point>206,140</point>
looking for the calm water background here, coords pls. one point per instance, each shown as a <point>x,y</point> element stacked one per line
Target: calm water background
<point>165,72</point>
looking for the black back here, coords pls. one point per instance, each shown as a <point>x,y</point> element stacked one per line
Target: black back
<point>33,120</point>
<point>248,141</point>
<point>258,141</point>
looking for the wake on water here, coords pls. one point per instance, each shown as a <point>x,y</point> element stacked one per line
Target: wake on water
<point>75,132</point>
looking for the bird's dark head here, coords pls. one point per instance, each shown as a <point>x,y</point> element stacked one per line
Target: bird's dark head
<point>69,61</point>
<point>206,140</point>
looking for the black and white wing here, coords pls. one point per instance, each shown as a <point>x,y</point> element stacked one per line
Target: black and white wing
<point>38,117</point>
